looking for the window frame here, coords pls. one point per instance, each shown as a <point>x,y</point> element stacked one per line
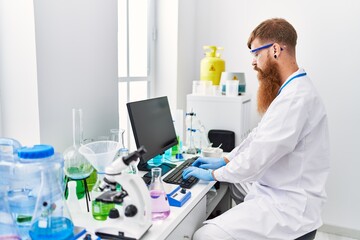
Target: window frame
<point>151,38</point>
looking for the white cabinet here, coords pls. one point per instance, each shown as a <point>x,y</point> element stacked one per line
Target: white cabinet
<point>222,112</point>
<point>190,223</point>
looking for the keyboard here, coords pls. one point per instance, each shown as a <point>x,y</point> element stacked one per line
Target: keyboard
<point>175,176</point>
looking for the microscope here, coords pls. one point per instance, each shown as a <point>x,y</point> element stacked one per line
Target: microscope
<point>133,218</point>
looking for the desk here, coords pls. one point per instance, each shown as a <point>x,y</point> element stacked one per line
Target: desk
<point>184,221</point>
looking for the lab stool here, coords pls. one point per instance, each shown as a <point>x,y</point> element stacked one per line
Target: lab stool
<point>308,236</point>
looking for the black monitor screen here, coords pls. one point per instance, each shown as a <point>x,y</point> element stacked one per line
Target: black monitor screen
<point>152,126</point>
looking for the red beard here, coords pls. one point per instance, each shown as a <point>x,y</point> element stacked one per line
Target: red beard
<point>269,85</point>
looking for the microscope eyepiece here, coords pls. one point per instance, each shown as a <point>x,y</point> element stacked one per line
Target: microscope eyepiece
<point>134,155</point>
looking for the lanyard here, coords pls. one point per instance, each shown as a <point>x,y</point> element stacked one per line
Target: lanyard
<point>288,81</point>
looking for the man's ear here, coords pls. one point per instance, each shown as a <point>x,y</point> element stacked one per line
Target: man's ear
<point>276,50</point>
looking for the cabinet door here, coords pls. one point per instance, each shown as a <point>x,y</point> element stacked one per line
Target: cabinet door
<point>190,223</point>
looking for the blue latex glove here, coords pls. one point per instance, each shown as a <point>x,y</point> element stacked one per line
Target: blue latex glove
<point>209,163</point>
<point>198,173</point>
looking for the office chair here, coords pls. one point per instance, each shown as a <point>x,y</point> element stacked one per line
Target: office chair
<point>308,236</point>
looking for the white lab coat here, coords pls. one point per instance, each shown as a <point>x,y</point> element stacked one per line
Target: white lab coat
<point>287,158</point>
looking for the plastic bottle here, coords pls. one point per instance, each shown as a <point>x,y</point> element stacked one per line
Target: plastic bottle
<point>8,230</point>
<point>212,65</point>
<point>159,201</point>
<point>8,157</point>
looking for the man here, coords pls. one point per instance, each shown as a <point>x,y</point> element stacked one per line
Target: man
<point>286,156</point>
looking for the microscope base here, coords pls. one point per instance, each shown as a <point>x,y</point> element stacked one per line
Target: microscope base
<point>129,229</point>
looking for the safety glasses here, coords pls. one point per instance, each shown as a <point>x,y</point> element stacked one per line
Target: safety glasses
<point>254,51</point>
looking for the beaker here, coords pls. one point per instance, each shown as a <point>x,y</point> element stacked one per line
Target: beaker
<point>160,208</point>
<point>100,210</point>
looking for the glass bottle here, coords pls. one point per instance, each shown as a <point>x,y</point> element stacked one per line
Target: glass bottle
<point>8,228</point>
<point>159,201</point>
<point>76,166</point>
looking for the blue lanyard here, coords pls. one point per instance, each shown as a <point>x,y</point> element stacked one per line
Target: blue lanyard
<point>288,81</point>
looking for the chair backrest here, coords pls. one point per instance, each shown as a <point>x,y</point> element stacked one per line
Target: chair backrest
<point>308,236</point>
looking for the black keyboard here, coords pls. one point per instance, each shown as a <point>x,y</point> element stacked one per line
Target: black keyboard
<point>175,176</point>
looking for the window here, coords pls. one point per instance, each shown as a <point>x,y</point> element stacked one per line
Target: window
<point>135,52</point>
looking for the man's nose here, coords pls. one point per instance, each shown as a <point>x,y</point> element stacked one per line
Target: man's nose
<point>254,62</point>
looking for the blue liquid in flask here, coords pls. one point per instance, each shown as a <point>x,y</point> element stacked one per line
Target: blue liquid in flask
<point>52,228</point>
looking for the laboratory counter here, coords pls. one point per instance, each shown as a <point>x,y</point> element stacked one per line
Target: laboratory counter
<point>183,221</point>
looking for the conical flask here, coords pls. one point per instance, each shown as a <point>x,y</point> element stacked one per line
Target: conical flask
<point>8,230</point>
<point>160,208</point>
<point>51,219</point>
<point>117,135</point>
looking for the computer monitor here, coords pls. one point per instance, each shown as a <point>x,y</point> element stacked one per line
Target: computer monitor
<point>153,128</point>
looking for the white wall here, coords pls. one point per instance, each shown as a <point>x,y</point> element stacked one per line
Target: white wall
<point>74,64</point>
<point>76,47</point>
<point>186,51</point>
<point>166,50</point>
<point>18,75</point>
<point>328,49</point>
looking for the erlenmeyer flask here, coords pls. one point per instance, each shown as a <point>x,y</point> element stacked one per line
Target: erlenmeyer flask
<point>8,230</point>
<point>51,219</point>
<point>117,135</point>
<point>159,201</point>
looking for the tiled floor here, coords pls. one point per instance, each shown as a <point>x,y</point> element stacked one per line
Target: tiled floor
<point>326,236</point>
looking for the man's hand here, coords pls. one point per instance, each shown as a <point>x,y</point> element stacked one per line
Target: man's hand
<point>209,163</point>
<point>198,173</point>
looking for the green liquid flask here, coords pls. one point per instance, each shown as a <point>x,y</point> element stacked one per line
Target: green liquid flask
<point>100,210</point>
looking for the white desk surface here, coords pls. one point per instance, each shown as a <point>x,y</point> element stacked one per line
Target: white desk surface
<point>162,228</point>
